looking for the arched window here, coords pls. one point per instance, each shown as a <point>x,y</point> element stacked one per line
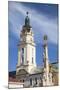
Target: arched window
<point>22,50</point>
<point>22,55</point>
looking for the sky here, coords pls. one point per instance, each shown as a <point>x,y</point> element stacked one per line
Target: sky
<point>43,19</point>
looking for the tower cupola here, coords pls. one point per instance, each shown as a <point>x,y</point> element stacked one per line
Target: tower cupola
<point>27,20</point>
<point>27,25</point>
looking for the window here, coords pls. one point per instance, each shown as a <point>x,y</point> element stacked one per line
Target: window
<point>23,50</point>
<point>22,59</point>
<point>30,81</point>
<point>23,80</point>
<point>36,80</point>
<point>22,55</point>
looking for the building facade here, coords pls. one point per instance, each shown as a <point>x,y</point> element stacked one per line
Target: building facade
<point>26,69</point>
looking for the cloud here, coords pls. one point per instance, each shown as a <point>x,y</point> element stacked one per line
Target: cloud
<point>41,23</point>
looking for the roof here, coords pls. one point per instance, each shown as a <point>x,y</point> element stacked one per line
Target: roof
<point>54,67</point>
<point>36,70</point>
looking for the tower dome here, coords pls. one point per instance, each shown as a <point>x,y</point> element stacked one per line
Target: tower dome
<point>27,21</point>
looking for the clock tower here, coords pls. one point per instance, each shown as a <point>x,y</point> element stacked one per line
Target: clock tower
<point>26,48</point>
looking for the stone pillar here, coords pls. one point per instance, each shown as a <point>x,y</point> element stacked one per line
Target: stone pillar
<point>46,63</point>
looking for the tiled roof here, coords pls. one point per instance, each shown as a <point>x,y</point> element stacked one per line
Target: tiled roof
<point>36,70</point>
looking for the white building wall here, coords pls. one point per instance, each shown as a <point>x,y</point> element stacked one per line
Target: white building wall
<point>34,55</point>
<point>15,85</point>
<point>30,55</point>
<point>47,81</point>
<point>27,80</point>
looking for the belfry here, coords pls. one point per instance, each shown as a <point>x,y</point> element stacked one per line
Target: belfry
<point>26,48</point>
